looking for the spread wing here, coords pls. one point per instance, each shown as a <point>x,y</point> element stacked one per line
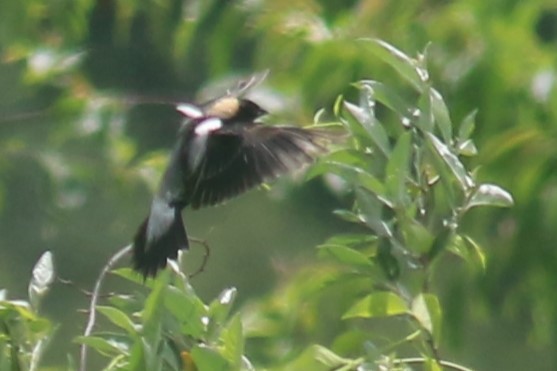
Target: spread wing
<point>238,158</point>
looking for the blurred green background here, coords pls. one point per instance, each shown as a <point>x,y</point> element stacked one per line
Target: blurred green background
<point>83,137</point>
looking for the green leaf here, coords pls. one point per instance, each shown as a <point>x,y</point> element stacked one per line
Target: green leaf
<point>388,97</point>
<point>467,148</point>
<point>467,126</point>
<point>351,239</point>
<point>372,128</point>
<point>317,358</point>
<point>427,311</point>
<point>377,305</point>
<point>188,310</point>
<point>409,68</point>
<point>469,250</point>
<point>358,177</point>
<point>102,345</point>
<point>490,195</point>
<point>118,318</point>
<point>417,238</point>
<point>451,161</point>
<point>398,170</point>
<point>370,209</point>
<point>441,115</point>
<point>345,255</point>
<point>232,338</point>
<point>43,276</point>
<point>208,359</point>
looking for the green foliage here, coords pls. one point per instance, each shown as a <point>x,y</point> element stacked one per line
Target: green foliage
<point>75,156</point>
<point>24,334</point>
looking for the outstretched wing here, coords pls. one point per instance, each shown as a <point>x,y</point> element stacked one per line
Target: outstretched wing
<point>239,158</point>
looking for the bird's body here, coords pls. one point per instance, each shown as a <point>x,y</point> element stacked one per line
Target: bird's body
<point>222,151</point>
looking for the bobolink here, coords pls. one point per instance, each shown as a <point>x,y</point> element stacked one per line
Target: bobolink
<point>222,151</point>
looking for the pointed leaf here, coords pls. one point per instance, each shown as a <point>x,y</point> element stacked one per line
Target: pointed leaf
<point>490,195</point>
<point>441,114</point>
<point>377,305</point>
<point>388,97</point>
<point>101,345</point>
<point>233,342</point>
<point>427,311</point>
<point>372,128</point>
<point>467,126</point>
<point>452,162</point>
<point>407,67</point>
<point>118,318</point>
<point>43,276</point>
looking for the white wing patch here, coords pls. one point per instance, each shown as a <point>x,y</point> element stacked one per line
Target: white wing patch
<point>189,110</point>
<point>207,126</point>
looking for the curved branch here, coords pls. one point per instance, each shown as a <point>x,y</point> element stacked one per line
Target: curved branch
<point>95,298</point>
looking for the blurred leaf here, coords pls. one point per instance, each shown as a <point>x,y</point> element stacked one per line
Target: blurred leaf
<point>441,114</point>
<point>490,195</point>
<point>469,250</point>
<point>388,97</point>
<point>427,311</point>
<point>410,69</point>
<point>188,309</point>
<point>432,365</point>
<point>398,170</point>
<point>351,239</point>
<point>103,346</point>
<point>233,342</point>
<point>43,276</point>
<point>371,213</point>
<point>377,305</point>
<point>467,148</point>
<point>417,238</point>
<point>355,176</point>
<point>207,359</point>
<point>345,255</point>
<point>467,126</point>
<point>118,318</point>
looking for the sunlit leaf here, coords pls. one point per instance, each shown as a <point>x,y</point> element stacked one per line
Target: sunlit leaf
<point>452,162</point>
<point>490,195</point>
<point>379,304</point>
<point>43,276</point>
<point>469,250</point>
<point>232,338</point>
<point>388,97</point>
<point>427,311</point>
<point>407,67</point>
<point>118,318</point>
<point>372,128</point>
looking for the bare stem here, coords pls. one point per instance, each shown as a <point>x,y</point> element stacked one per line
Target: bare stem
<point>95,298</point>
<point>421,361</point>
<point>205,256</point>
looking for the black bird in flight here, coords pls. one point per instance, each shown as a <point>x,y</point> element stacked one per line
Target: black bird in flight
<point>221,152</point>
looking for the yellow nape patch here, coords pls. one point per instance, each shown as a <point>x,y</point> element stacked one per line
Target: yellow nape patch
<point>224,108</point>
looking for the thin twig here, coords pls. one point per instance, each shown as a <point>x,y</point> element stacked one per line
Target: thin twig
<point>205,256</point>
<point>421,361</point>
<point>94,299</point>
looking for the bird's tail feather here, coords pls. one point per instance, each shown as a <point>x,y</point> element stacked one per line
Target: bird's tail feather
<point>153,246</point>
